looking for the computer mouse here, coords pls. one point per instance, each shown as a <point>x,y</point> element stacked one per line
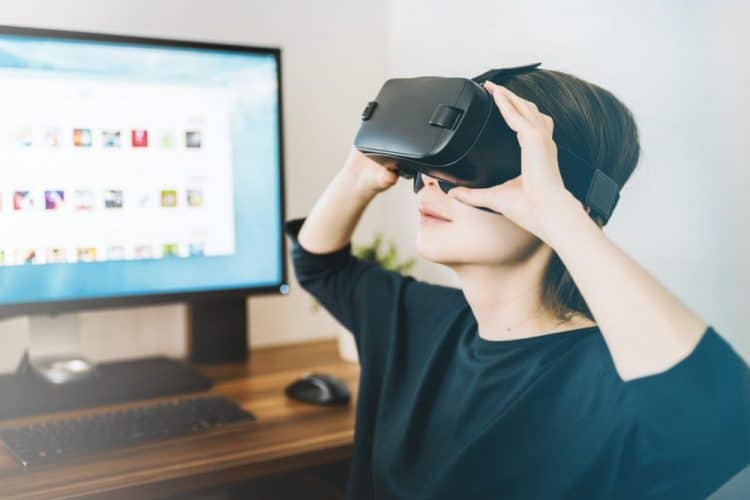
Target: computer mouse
<point>319,388</point>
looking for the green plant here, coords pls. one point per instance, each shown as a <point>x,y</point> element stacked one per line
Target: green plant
<point>385,259</point>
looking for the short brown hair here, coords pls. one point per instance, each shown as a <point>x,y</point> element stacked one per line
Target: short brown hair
<point>594,124</point>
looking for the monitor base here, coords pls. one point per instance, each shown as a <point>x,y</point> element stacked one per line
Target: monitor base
<point>26,393</point>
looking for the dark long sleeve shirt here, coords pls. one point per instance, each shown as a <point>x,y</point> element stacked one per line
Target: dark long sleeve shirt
<point>445,414</point>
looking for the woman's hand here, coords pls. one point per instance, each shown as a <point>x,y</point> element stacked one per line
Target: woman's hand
<point>369,177</point>
<point>336,213</point>
<point>528,198</point>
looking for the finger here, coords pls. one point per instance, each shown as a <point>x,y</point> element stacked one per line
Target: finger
<point>527,108</point>
<point>494,88</point>
<point>512,116</point>
<point>389,176</point>
<point>534,118</point>
<point>521,105</point>
<point>478,197</point>
<point>389,164</point>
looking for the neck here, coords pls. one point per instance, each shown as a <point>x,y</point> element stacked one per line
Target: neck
<point>507,299</point>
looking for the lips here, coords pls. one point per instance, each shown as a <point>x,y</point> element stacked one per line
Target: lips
<point>431,213</point>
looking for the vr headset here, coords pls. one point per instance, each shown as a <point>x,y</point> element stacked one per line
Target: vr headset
<point>450,129</point>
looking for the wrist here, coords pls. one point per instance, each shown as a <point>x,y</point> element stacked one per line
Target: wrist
<point>356,185</point>
<point>561,216</point>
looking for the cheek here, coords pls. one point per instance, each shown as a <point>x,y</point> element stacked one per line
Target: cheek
<point>475,238</point>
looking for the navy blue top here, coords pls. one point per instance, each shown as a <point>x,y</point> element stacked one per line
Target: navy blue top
<point>445,414</point>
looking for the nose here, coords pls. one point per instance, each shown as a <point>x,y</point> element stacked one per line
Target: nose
<point>426,179</point>
<point>421,180</point>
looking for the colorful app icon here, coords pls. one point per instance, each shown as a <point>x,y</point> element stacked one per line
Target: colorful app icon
<point>84,199</point>
<point>195,197</point>
<point>22,135</point>
<point>86,254</point>
<point>192,138</point>
<point>143,252</point>
<point>166,140</point>
<point>113,198</point>
<point>196,249</point>
<point>170,250</point>
<point>54,200</point>
<point>26,256</point>
<point>111,138</point>
<point>23,200</point>
<point>82,137</point>
<point>51,136</point>
<point>139,138</point>
<point>168,198</point>
<point>57,256</point>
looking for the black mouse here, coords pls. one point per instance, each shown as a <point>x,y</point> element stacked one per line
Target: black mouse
<point>319,388</point>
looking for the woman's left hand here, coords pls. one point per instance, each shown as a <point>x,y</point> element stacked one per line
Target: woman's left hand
<point>532,197</point>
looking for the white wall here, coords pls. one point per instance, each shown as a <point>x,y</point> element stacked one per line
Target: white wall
<point>334,60</point>
<point>682,68</point>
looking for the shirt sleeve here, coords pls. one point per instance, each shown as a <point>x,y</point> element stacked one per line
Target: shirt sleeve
<point>692,422</point>
<point>372,302</point>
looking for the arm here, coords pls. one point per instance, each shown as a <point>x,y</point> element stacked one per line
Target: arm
<point>373,303</point>
<point>335,215</point>
<point>647,329</point>
<point>358,293</point>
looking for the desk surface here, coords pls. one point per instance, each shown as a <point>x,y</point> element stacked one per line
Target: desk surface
<point>286,435</point>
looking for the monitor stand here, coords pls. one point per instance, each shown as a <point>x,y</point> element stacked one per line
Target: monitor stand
<point>53,376</point>
<point>217,330</point>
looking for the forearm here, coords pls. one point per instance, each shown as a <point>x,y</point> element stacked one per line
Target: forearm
<point>333,218</point>
<point>647,329</point>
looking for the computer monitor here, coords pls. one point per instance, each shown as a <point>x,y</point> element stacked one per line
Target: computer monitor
<point>136,170</point>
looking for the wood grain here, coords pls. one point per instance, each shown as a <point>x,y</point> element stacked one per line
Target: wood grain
<point>287,435</point>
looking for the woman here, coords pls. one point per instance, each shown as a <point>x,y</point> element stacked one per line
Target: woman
<point>560,368</point>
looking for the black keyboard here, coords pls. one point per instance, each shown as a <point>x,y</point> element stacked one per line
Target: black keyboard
<point>55,439</point>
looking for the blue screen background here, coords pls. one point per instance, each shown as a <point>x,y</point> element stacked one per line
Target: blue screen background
<point>257,260</point>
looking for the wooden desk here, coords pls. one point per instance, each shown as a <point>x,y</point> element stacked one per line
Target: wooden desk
<point>287,435</point>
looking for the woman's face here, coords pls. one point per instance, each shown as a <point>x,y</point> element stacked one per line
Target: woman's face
<point>470,235</point>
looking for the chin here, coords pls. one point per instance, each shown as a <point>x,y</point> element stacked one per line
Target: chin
<point>435,248</point>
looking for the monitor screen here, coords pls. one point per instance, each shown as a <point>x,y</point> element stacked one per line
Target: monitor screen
<point>137,168</point>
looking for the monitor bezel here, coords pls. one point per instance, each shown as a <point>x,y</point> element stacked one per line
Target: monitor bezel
<point>112,302</point>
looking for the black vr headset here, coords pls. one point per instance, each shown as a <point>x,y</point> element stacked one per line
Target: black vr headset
<point>450,129</point>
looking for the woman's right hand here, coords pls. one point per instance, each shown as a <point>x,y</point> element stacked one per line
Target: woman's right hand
<point>335,215</point>
<point>371,178</point>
